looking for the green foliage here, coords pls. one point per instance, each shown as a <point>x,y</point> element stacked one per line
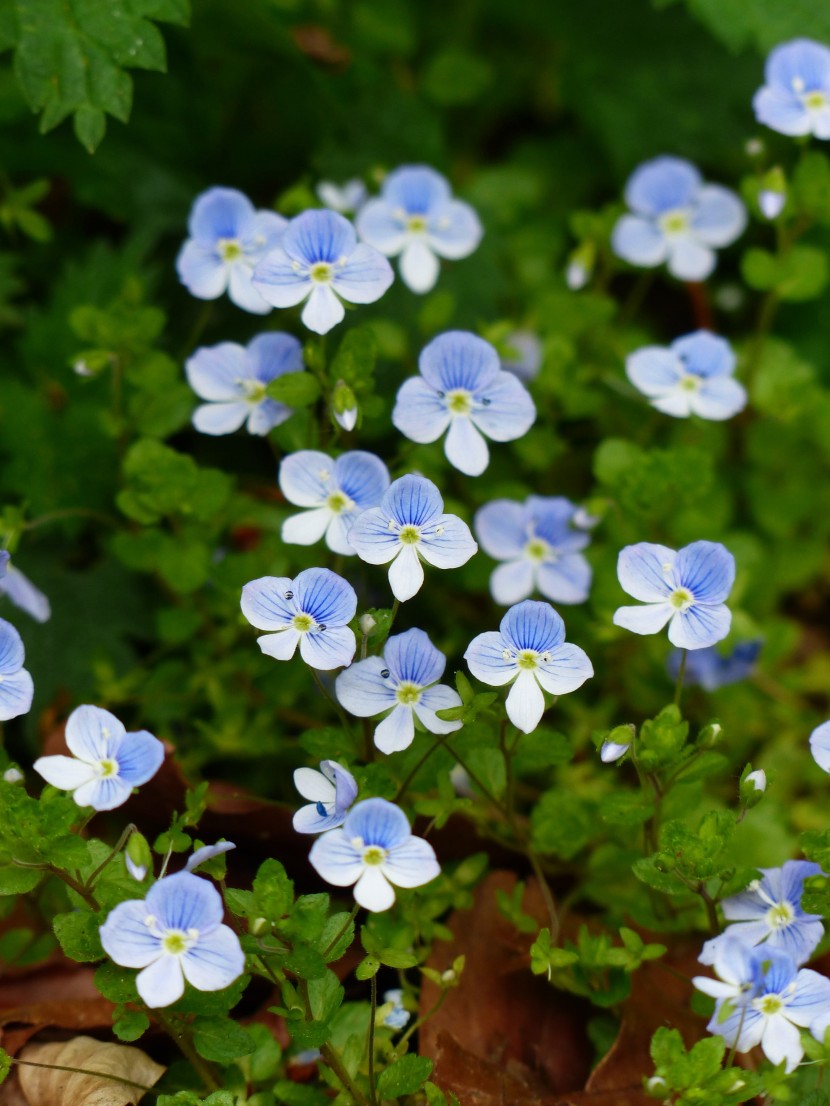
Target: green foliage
<point>404,1076</point>
<point>697,1076</point>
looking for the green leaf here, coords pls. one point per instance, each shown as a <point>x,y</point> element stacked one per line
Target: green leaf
<point>369,966</point>
<point>78,934</point>
<point>273,890</point>
<point>761,23</point>
<point>299,389</point>
<point>129,1025</point>
<point>5,1065</point>
<point>797,275</point>
<point>221,1039</point>
<point>90,127</point>
<point>17,881</point>
<point>405,1076</point>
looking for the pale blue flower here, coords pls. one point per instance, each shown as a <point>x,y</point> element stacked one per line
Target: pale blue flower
<point>522,355</point>
<point>16,687</point>
<point>228,238</point>
<point>173,935</point>
<point>415,216</point>
<point>796,97</point>
<point>463,390</point>
<point>765,1000</point>
<point>319,260</point>
<point>771,202</point>
<point>402,685</point>
<point>312,611</point>
<point>819,745</point>
<point>331,792</point>
<point>710,670</point>
<point>769,911</point>
<point>346,198</point>
<point>686,589</point>
<point>234,379</point>
<point>333,493</point>
<point>676,219</point>
<point>398,1016</point>
<point>693,376</point>
<point>106,762</point>
<point>539,546</point>
<point>410,524</point>
<point>374,850</point>
<point>528,651</point>
<point>23,593</point>
<point>207,852</point>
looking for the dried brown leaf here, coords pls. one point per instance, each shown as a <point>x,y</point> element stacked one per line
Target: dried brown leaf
<point>122,1074</point>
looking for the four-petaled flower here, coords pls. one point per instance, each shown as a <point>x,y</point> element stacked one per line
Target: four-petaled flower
<point>312,611</point>
<point>227,240</point>
<point>374,849</point>
<point>539,546</point>
<point>796,97</point>
<point>415,216</point>
<point>319,259</point>
<point>686,589</point>
<point>710,670</point>
<point>333,492</point>
<point>764,1000</point>
<point>398,1016</point>
<point>106,762</point>
<point>463,389</point>
<point>769,911</point>
<point>528,650</point>
<point>173,935</point>
<point>16,687</point>
<point>403,685</point>
<point>410,524</point>
<point>693,376</point>
<point>677,219</point>
<point>331,792</point>
<point>234,380</point>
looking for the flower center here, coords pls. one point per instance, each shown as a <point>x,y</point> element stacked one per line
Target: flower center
<point>681,599</point>
<point>674,222</point>
<point>108,768</point>
<point>229,249</point>
<point>339,502</point>
<point>408,693</point>
<point>374,855</point>
<point>769,1005</point>
<point>814,101</point>
<point>254,390</point>
<point>321,272</point>
<point>780,916</point>
<point>303,623</point>
<point>176,941</point>
<point>538,550</point>
<point>459,402</point>
<point>409,535</point>
<point>416,224</point>
<point>527,658</point>
<point>689,383</point>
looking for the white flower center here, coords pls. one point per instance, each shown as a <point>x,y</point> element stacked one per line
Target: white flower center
<point>339,503</point>
<point>230,249</point>
<point>408,693</point>
<point>674,223</point>
<point>459,402</point>
<point>689,383</point>
<point>538,550</point>
<point>780,916</point>
<point>107,768</point>
<point>681,599</point>
<point>321,272</point>
<point>374,855</point>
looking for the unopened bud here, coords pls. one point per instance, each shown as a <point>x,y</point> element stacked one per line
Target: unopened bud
<point>752,787</point>
<point>773,194</point>
<point>665,862</point>
<point>448,976</point>
<point>259,926</point>
<point>137,856</point>
<point>344,406</point>
<point>367,623</point>
<point>12,775</point>
<point>656,1086</point>
<point>709,735</point>
<point>754,147</point>
<point>580,266</point>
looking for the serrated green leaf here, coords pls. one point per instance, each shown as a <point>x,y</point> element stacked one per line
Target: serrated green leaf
<point>405,1076</point>
<point>221,1039</point>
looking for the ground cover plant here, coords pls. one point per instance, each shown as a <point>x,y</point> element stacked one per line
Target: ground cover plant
<point>413,553</point>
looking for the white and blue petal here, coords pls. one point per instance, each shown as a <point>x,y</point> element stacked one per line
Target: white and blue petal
<point>416,189</point>
<point>419,412</point>
<point>465,448</point>
<point>371,538</point>
<point>486,659</point>
<point>646,571</point>
<point>373,891</point>
<point>219,213</point>
<point>503,409</point>
<point>382,226</point>
<point>139,756</point>
<point>66,773</point>
<point>279,282</point>
<point>820,746</point>
<point>308,527</point>
<point>567,579</point>
<point>513,581</point>
<point>396,731</point>
<point>690,260</point>
<point>447,542</point>
<point>103,793</point>
<point>241,289</point>
<point>419,267</point>
<point>265,415</point>
<point>783,111</point>
<point>162,983</point>
<point>411,863</point>
<point>12,654</point>
<point>16,695</point>
<point>221,418</point>
<point>184,901</point>
<point>439,697</point>
<point>377,822</point>
<point>533,625</point>
<point>703,624</point>
<point>647,619</point>
<point>208,852</point>
<point>406,573</point>
<point>269,602</point>
<point>214,961</point>
<point>719,399</point>
<point>502,528</point>
<point>412,657</point>
<point>332,648</point>
<point>202,271</point>
<point>323,310</point>
<point>306,478</point>
<point>662,184</point>
<point>335,858</point>
<point>272,355</point>
<point>705,354</point>
<point>654,370</point>
<point>639,241</point>
<point>217,373</point>
<point>458,359</point>
<point>126,937</point>
<point>719,217</point>
<point>525,703</point>
<point>707,569</point>
<point>23,593</point>
<point>364,277</point>
<point>324,595</point>
<point>453,230</point>
<point>362,476</point>
<point>89,733</point>
<point>567,669</point>
<point>412,500</point>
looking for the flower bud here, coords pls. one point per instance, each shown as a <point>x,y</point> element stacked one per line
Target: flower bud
<point>580,266</point>
<point>709,736</point>
<point>657,1086</point>
<point>773,194</point>
<point>137,856</point>
<point>259,926</point>
<point>367,623</point>
<point>752,787</point>
<point>13,775</point>
<point>344,406</point>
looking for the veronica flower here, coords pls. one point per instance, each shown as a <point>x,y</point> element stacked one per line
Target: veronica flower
<point>686,589</point>
<point>693,376</point>
<point>234,379</point>
<point>398,1016</point>
<point>529,651</point>
<point>106,762</point>
<point>819,745</point>
<point>173,935</point>
<point>410,524</point>
<point>319,260</point>
<point>522,355</point>
<point>332,791</point>
<point>344,198</point>
<point>796,97</point>
<point>374,850</point>
<point>402,685</point>
<point>415,216</point>
<point>207,852</point>
<point>312,611</point>
<point>769,911</point>
<point>462,389</point>
<point>766,1001</point>
<point>676,219</point>
<point>710,670</point>
<point>227,240</point>
<point>22,592</point>
<point>333,494</point>
<point>16,687</point>
<point>539,546</point>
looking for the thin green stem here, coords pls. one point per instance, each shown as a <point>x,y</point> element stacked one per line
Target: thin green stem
<point>413,772</point>
<point>637,296</point>
<point>203,1068</point>
<point>122,841</point>
<point>374,1009</point>
<point>333,943</point>
<point>423,1020</point>
<point>396,606</point>
<point>485,791</point>
<point>681,673</point>
<point>730,1058</point>
<point>70,512</point>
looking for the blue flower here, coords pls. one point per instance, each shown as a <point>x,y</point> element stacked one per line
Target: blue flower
<point>207,852</point>
<point>686,589</point>
<point>319,260</point>
<point>710,670</point>
<point>227,240</point>
<point>415,216</point>
<point>22,592</point>
<point>796,97</point>
<point>398,1016</point>
<point>332,791</point>
<point>374,850</point>
<point>346,198</point>
<point>16,687</point>
<point>819,745</point>
<point>107,762</point>
<point>402,685</point>
<point>539,547</point>
<point>410,524</point>
<point>462,388</point>
<point>312,611</point>
<point>173,935</point>
<point>529,650</point>
<point>333,492</point>
<point>692,377</point>
<point>769,911</point>
<point>234,380</point>
<point>676,219</point>
<point>522,355</point>
<point>764,1000</point>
